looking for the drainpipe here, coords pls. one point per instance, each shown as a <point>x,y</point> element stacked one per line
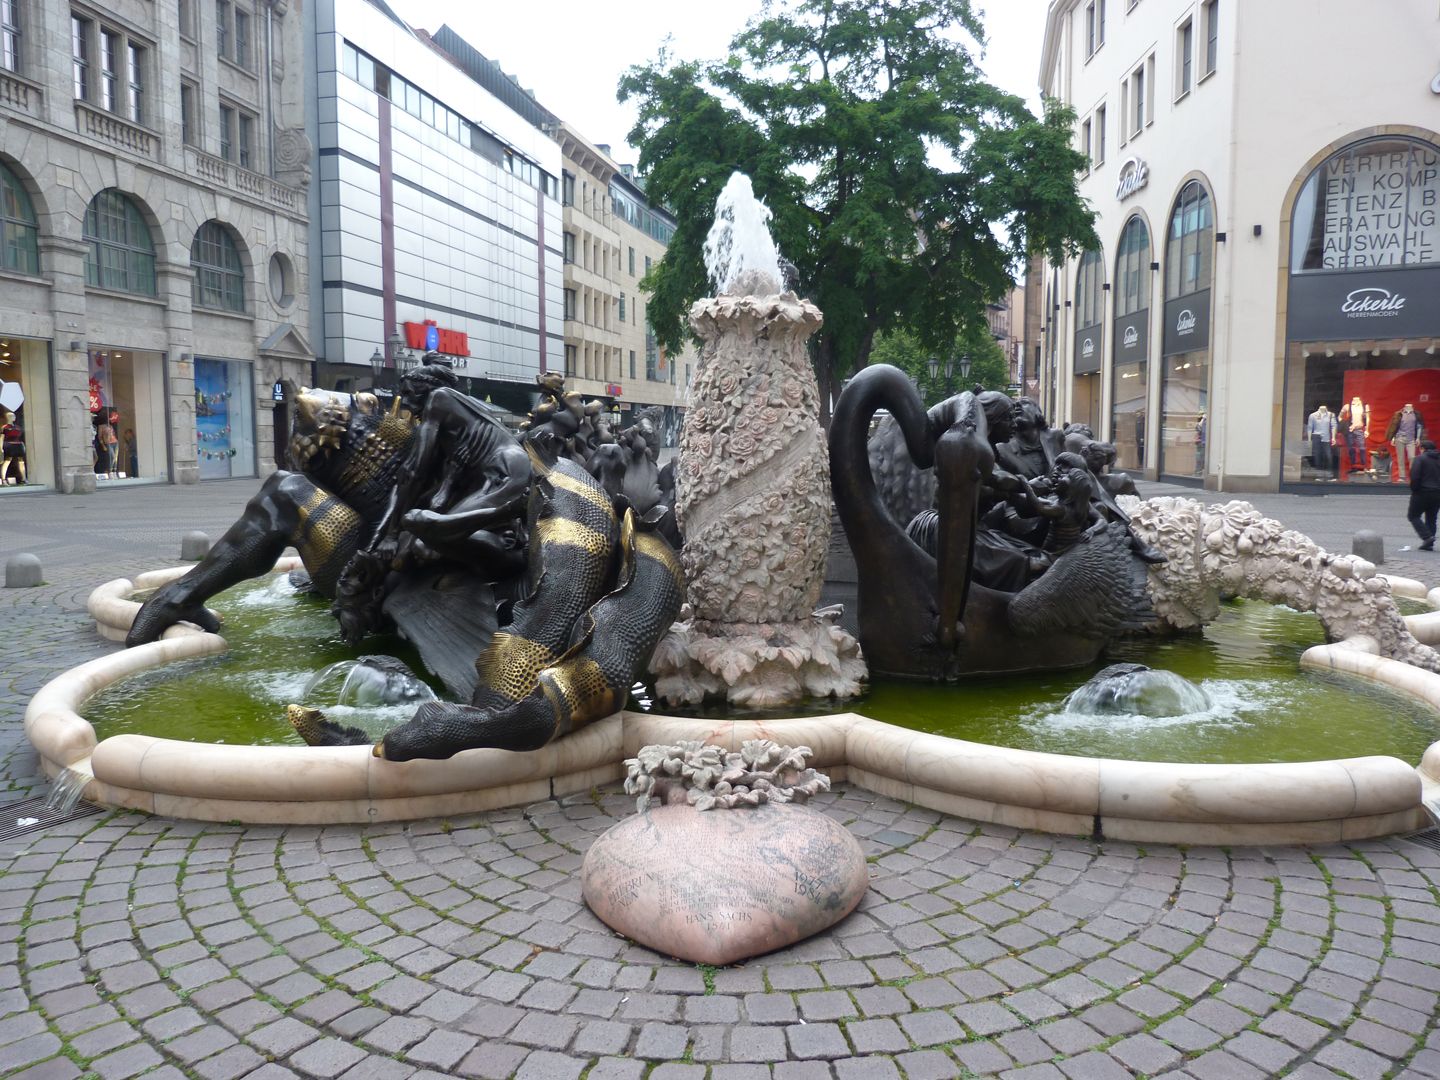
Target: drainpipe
<point>1222,382</point>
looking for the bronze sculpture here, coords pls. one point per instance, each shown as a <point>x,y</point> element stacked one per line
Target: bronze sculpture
<point>1010,575</point>
<point>411,518</point>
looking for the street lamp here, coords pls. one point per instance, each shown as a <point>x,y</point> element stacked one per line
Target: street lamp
<point>965,367</point>
<point>377,367</point>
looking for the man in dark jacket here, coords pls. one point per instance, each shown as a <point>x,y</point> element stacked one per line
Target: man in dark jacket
<point>1425,494</point>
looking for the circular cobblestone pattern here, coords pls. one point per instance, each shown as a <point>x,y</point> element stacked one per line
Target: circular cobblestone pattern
<point>136,945</point>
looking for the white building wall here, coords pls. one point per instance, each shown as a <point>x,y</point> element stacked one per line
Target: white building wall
<point>1293,79</point>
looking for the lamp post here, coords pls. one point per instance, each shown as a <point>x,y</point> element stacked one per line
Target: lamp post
<point>965,363</point>
<point>377,368</point>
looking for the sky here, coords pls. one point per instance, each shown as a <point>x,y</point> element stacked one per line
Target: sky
<point>572,53</point>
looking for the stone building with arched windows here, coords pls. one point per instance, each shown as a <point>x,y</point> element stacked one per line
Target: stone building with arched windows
<point>153,236</point>
<point>1269,239</point>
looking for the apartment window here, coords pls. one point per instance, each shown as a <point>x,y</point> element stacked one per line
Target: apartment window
<point>121,254</point>
<point>1210,12</point>
<point>245,140</point>
<point>187,113</point>
<point>227,133</point>
<point>1094,26</point>
<point>135,85</point>
<point>222,27</point>
<point>80,56</point>
<point>185,11</point>
<point>647,264</point>
<point>241,38</point>
<point>632,363</point>
<point>19,233</point>
<point>1185,58</point>
<point>219,281</point>
<point>622,307</point>
<point>1085,142</point>
<point>571,356</point>
<point>567,189</point>
<point>1100,135</point>
<point>568,245</point>
<point>109,63</point>
<point>1137,101</point>
<point>9,35</point>
<point>569,303</point>
<point>632,262</point>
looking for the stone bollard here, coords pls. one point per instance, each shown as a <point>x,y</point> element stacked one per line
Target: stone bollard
<point>1369,545</point>
<point>194,546</point>
<point>22,572</point>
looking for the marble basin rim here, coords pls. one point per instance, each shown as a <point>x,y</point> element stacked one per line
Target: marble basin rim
<point>1304,802</point>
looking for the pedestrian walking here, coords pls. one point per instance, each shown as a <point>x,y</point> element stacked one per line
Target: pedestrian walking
<point>1425,494</point>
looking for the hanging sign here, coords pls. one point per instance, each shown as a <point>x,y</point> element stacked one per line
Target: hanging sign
<point>613,389</point>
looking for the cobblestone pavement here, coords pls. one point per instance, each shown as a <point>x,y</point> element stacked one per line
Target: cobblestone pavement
<point>132,945</point>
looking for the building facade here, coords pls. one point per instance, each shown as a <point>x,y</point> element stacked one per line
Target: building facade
<point>436,216</point>
<point>153,166</point>
<point>1269,240</point>
<point>613,235</point>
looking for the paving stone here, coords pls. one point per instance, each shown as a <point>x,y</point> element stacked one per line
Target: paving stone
<point>817,1041</point>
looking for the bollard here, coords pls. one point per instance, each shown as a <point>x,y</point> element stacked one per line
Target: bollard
<point>1369,545</point>
<point>194,546</point>
<point>22,571</point>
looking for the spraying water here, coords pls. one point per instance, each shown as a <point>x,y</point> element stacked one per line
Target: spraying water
<point>66,791</point>
<point>740,256</point>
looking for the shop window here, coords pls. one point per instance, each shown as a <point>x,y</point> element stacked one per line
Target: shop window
<point>10,35</point>
<point>224,419</point>
<point>1130,379</point>
<point>121,255</point>
<point>1375,203</point>
<point>19,234</point>
<point>219,281</point>
<point>1189,254</point>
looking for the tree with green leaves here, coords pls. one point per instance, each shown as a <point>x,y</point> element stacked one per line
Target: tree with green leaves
<point>905,188</point>
<point>988,367</point>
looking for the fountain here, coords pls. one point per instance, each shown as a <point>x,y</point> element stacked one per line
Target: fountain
<point>753,489</point>
<point>751,497</point>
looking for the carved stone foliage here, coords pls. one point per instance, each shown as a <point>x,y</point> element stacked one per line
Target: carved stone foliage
<point>753,500</point>
<point>1228,550</point>
<point>707,777</point>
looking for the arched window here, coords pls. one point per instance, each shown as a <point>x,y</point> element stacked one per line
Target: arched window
<point>18,232</point>
<point>121,255</point>
<point>1088,305</point>
<point>1371,204</point>
<point>1132,268</point>
<point>1190,254</point>
<point>219,275</point>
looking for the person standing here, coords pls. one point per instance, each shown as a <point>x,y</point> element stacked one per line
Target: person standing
<point>1320,427</point>
<point>1425,494</point>
<point>1406,429</point>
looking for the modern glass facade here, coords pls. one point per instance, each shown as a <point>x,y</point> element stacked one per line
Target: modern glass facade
<point>437,203</point>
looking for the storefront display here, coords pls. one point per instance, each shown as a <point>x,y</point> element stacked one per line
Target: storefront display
<point>26,435</point>
<point>1361,326</point>
<point>1185,336</point>
<point>1130,371</point>
<point>126,404</point>
<point>224,424</point>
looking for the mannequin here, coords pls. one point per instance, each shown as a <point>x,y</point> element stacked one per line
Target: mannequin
<point>1320,428</point>
<point>1404,432</point>
<point>1355,422</point>
<point>14,450</point>
<point>1200,444</point>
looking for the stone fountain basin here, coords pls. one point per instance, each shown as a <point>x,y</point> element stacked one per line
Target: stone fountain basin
<point>1303,802</point>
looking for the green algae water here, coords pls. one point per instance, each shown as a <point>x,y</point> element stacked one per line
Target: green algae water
<point>1264,708</point>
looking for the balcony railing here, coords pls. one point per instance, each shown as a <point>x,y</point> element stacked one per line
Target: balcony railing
<point>18,93</point>
<point>99,124</point>
<point>229,177</point>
